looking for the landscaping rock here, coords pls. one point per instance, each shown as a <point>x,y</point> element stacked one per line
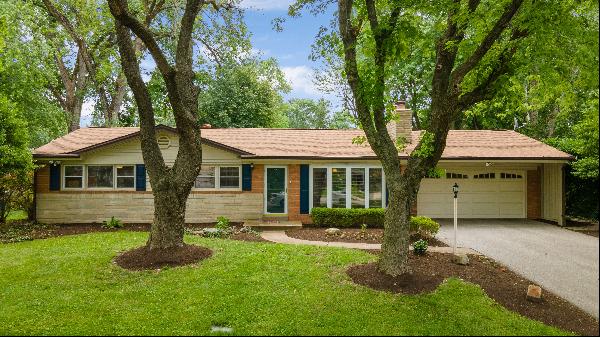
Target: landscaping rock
<point>461,259</point>
<point>210,230</point>
<point>534,293</point>
<point>332,231</point>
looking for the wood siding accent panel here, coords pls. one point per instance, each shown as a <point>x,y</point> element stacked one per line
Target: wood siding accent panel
<point>42,180</point>
<point>534,194</point>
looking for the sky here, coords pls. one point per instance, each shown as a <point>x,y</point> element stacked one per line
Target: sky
<point>290,47</point>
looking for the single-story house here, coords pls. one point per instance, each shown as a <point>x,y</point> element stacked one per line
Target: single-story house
<point>94,173</point>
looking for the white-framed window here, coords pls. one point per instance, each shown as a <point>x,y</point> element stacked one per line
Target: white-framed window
<point>206,178</point>
<point>73,176</point>
<point>100,176</point>
<point>453,175</point>
<point>489,175</point>
<point>125,176</point>
<point>510,176</point>
<point>375,195</point>
<point>319,187</point>
<point>346,186</point>
<point>229,177</point>
<point>357,187</point>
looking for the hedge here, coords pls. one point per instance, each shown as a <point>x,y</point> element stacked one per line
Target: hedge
<point>373,217</point>
<point>347,217</point>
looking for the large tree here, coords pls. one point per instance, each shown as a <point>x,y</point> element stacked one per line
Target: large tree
<point>15,158</point>
<point>170,185</point>
<point>473,50</point>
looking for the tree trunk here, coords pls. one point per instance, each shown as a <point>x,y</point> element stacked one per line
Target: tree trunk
<point>75,114</point>
<point>395,247</point>
<point>169,219</point>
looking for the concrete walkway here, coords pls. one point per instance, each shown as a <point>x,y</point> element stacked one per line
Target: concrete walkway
<point>560,260</point>
<point>281,237</point>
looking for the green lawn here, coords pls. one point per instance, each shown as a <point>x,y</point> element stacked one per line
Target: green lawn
<point>16,215</point>
<point>70,286</point>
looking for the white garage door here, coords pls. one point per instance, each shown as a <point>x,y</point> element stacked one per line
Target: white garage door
<point>489,194</point>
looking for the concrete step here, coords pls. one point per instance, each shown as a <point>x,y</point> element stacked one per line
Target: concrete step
<point>269,225</point>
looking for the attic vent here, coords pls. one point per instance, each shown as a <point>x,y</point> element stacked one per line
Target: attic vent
<point>163,142</point>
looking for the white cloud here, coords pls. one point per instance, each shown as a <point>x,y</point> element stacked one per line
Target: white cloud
<point>87,110</point>
<point>266,4</point>
<point>301,80</point>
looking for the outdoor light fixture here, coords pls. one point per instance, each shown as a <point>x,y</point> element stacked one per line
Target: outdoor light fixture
<point>251,165</point>
<point>455,191</point>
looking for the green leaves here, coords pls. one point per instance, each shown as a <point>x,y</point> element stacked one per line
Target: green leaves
<point>426,147</point>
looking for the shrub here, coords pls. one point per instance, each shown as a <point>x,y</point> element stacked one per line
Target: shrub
<point>112,223</point>
<point>420,247</point>
<point>223,223</point>
<point>372,217</point>
<point>424,226</point>
<point>347,217</point>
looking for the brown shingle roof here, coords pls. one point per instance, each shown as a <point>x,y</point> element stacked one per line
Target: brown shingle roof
<point>323,144</point>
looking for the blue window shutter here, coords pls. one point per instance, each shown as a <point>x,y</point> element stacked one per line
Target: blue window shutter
<point>54,177</point>
<point>304,181</point>
<point>140,177</point>
<point>246,177</point>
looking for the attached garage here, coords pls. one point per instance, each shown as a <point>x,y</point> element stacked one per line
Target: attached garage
<point>483,194</point>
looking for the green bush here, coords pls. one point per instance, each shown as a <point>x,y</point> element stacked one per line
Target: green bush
<point>424,226</point>
<point>223,223</point>
<point>372,217</point>
<point>112,223</point>
<point>420,247</point>
<point>347,217</point>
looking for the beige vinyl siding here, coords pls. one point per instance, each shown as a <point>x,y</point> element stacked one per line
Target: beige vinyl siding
<point>90,207</point>
<point>552,193</point>
<point>129,152</point>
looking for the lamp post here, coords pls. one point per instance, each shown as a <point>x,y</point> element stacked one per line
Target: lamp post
<point>455,191</point>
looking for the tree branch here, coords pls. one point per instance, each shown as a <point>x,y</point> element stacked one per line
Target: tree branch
<point>483,91</point>
<point>120,11</point>
<point>151,152</point>
<point>461,71</point>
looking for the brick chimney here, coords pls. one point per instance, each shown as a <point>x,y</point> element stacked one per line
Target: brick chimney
<point>401,123</point>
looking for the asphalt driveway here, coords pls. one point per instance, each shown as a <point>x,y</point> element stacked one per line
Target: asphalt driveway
<point>559,260</point>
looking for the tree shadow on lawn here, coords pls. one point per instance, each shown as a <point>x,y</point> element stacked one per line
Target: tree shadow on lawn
<point>499,283</point>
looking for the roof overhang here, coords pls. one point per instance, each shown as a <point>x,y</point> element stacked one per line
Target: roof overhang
<point>77,154</point>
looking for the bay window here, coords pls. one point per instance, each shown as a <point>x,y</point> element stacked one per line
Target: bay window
<point>319,187</point>
<point>375,187</point>
<point>338,188</point>
<point>359,186</point>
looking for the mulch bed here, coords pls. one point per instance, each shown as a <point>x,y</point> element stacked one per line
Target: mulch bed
<point>504,286</point>
<point>49,231</point>
<point>143,258</point>
<point>374,235</point>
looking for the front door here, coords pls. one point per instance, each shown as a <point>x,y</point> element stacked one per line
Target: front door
<point>275,190</point>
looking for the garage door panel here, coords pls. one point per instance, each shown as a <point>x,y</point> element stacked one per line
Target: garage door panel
<point>478,198</point>
<point>511,186</point>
